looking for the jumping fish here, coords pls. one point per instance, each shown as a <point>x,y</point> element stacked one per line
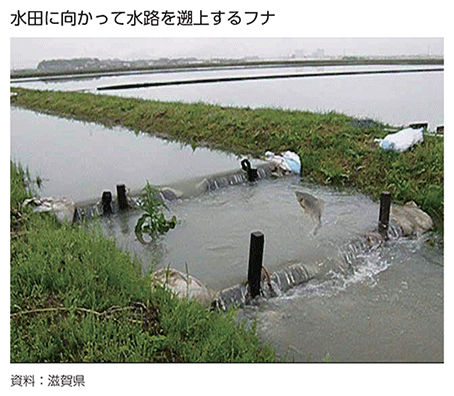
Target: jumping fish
<point>312,206</point>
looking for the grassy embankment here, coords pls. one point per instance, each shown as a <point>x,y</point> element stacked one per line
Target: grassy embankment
<point>332,151</point>
<point>76,298</point>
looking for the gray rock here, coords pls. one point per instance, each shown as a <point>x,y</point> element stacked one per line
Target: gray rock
<point>184,286</point>
<point>410,218</point>
<point>62,208</point>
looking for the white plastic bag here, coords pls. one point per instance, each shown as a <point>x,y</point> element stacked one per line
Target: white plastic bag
<point>288,162</point>
<point>402,140</point>
<point>293,161</point>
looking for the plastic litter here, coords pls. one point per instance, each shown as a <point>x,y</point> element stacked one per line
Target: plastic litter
<point>63,208</point>
<point>402,140</point>
<point>287,162</point>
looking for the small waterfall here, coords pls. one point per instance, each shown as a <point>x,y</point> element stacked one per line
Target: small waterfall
<point>272,285</point>
<point>284,280</point>
<point>367,243</point>
<point>354,256</point>
<point>231,179</point>
<point>87,212</point>
<point>92,209</point>
<point>350,259</point>
<point>231,297</point>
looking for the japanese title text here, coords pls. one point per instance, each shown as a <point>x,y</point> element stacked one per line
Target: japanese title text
<point>140,18</point>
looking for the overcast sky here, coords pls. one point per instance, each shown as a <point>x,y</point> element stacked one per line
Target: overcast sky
<point>28,52</point>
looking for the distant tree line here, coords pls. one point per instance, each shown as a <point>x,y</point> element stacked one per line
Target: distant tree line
<point>108,64</point>
<point>60,67</point>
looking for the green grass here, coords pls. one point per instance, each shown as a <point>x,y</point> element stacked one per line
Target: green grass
<point>75,297</point>
<point>20,186</point>
<point>332,151</point>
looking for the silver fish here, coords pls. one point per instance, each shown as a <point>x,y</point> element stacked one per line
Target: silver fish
<point>312,206</point>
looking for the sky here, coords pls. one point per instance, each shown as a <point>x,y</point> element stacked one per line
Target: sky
<point>350,27</point>
<point>27,52</point>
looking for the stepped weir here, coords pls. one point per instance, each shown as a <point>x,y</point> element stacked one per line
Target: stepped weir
<point>349,260</point>
<point>179,190</point>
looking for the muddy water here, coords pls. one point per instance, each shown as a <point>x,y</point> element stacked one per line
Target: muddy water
<point>213,234</point>
<point>81,160</point>
<point>389,309</point>
<point>392,311</point>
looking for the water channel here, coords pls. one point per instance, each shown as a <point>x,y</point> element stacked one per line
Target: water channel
<point>390,308</point>
<point>397,99</point>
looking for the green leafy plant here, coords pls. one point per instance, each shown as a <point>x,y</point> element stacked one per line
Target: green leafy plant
<point>153,222</point>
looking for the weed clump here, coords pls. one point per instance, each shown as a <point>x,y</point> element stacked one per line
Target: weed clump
<point>153,222</point>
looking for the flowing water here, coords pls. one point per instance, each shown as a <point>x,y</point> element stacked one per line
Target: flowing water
<point>342,301</point>
<point>389,311</point>
<point>354,303</point>
<point>212,237</point>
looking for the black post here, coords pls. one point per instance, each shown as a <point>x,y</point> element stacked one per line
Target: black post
<point>121,195</point>
<point>383,221</point>
<point>255,263</point>
<point>252,173</point>
<point>106,202</point>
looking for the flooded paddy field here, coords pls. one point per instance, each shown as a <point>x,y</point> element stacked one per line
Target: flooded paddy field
<point>389,309</point>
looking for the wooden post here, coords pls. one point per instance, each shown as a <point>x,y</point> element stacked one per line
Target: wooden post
<point>255,263</point>
<point>383,221</point>
<point>121,196</point>
<point>106,202</point>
